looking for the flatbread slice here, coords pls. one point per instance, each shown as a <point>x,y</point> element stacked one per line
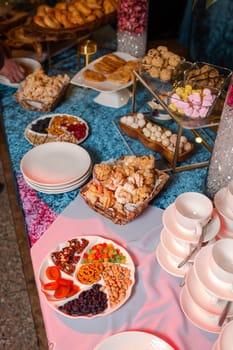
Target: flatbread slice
<point>94,76</point>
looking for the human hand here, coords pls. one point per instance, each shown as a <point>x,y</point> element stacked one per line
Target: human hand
<point>13,71</point>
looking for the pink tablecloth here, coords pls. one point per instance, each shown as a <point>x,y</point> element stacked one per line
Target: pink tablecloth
<point>154,304</point>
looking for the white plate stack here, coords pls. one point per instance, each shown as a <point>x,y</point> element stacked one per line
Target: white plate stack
<point>177,238</point>
<point>223,202</point>
<point>56,167</point>
<point>209,286</point>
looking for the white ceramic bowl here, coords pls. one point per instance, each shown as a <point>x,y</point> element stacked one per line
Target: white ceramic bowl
<point>199,316</point>
<point>205,299</point>
<point>229,195</point>
<point>221,260</point>
<point>193,209</point>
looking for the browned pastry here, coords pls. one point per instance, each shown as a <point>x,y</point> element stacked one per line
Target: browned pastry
<point>120,76</point>
<point>109,63</point>
<point>73,13</point>
<point>91,75</point>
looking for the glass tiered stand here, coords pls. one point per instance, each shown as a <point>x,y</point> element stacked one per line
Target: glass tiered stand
<point>197,126</point>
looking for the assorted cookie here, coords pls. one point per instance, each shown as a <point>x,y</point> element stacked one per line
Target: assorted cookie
<point>160,62</point>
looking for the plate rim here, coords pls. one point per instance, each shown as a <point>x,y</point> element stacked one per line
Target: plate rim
<point>138,333</point>
<point>114,87</point>
<point>51,115</point>
<point>55,144</point>
<point>98,239</point>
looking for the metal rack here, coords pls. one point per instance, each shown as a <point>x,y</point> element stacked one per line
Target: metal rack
<point>212,121</point>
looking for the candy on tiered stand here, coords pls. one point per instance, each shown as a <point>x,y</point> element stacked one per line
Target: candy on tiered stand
<point>208,288</point>
<point>223,201</point>
<point>225,339</point>
<point>188,224</point>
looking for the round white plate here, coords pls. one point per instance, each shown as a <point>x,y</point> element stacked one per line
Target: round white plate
<point>133,340</point>
<point>93,240</point>
<point>168,265</point>
<point>64,189</point>
<point>205,276</point>
<point>55,163</point>
<point>28,62</point>
<point>199,319</point>
<point>184,234</point>
<point>58,187</point>
<point>36,134</point>
<point>202,297</point>
<point>220,204</point>
<point>104,86</point>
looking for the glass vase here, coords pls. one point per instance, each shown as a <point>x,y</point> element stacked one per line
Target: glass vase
<point>220,170</point>
<point>132,23</point>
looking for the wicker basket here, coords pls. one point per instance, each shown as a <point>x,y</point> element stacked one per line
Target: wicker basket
<point>49,34</point>
<point>118,218</point>
<point>40,106</point>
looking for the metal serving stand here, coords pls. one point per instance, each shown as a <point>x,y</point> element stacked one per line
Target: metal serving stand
<point>157,89</point>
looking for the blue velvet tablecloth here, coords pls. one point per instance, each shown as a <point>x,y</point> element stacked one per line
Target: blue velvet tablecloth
<point>104,141</point>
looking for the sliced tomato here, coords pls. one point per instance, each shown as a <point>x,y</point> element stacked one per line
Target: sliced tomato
<point>74,289</point>
<point>51,285</point>
<point>62,292</point>
<point>53,272</point>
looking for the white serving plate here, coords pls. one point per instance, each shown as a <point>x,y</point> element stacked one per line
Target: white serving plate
<point>105,86</point>
<point>133,340</point>
<point>93,240</point>
<point>29,127</point>
<point>55,163</point>
<point>58,190</point>
<point>28,62</point>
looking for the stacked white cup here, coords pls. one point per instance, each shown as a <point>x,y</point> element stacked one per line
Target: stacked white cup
<point>223,201</point>
<point>225,339</point>
<point>183,223</point>
<point>208,287</point>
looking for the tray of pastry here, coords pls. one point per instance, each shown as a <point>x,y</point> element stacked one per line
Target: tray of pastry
<point>73,17</point>
<point>121,189</point>
<point>41,92</point>
<point>155,137</point>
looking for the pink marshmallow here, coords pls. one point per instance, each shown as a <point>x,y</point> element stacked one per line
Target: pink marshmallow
<point>195,98</point>
<point>195,113</point>
<point>203,112</point>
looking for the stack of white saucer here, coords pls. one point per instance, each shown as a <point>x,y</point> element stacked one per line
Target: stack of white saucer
<point>225,339</point>
<point>223,202</point>
<point>183,222</point>
<point>56,167</point>
<point>209,286</point>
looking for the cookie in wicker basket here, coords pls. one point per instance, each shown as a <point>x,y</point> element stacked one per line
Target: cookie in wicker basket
<point>40,92</point>
<point>121,189</point>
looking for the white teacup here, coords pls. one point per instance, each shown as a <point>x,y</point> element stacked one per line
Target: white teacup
<point>193,210</point>
<point>221,260</point>
<point>226,224</point>
<point>225,340</point>
<point>229,195</point>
